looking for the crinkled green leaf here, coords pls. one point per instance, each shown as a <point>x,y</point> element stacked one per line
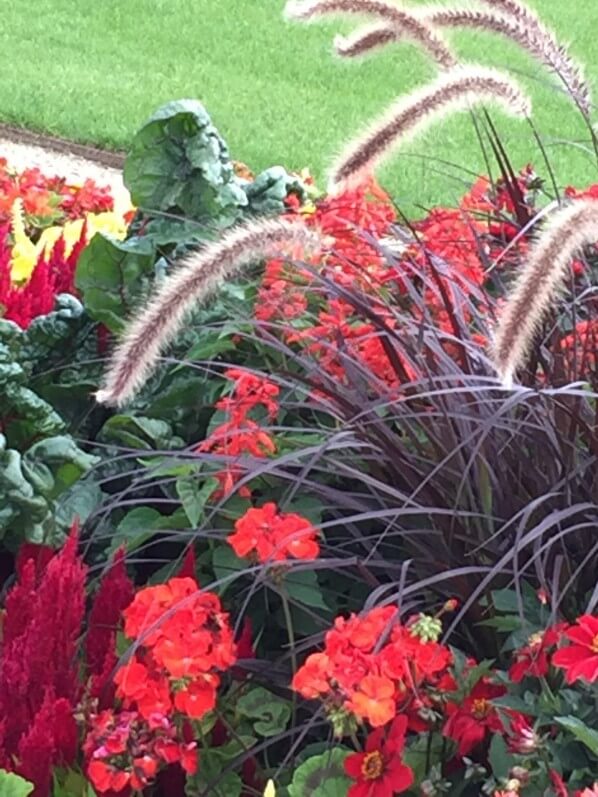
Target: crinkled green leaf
<point>32,485</point>
<point>178,161</point>
<point>56,463</point>
<point>267,192</point>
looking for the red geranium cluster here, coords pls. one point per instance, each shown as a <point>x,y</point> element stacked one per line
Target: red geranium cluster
<point>272,536</point>
<point>374,667</point>
<point>125,751</point>
<point>241,434</point>
<point>183,641</point>
<point>49,200</point>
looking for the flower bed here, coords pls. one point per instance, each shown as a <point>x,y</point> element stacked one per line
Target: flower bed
<point>325,547</point>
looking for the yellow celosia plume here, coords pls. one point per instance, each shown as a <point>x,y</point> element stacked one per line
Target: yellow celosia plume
<point>25,253</point>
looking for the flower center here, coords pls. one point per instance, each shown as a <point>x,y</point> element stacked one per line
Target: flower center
<point>372,766</point>
<point>535,639</point>
<point>594,645</point>
<point>480,708</point>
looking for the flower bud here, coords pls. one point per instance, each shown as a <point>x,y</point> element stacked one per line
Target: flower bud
<point>427,628</point>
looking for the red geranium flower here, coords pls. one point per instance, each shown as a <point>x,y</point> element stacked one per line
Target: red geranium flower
<point>274,536</point>
<point>379,771</point>
<point>580,660</point>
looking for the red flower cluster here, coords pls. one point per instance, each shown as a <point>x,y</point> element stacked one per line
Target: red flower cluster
<point>49,200</point>
<point>183,641</point>
<point>373,667</point>
<point>580,349</point>
<point>53,274</point>
<point>39,685</point>
<point>124,751</point>
<point>240,434</point>
<point>352,222</point>
<point>273,536</point>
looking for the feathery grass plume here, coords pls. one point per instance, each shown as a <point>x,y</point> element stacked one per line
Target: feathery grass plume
<point>555,54</point>
<point>197,276</point>
<point>569,229</point>
<point>366,39</point>
<point>410,25</point>
<point>456,90</point>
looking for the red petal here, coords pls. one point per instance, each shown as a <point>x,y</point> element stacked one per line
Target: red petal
<point>353,765</point>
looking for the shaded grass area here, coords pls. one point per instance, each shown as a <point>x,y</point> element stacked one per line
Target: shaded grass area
<point>93,72</point>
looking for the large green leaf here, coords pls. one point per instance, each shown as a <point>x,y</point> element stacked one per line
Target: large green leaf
<point>112,277</point>
<point>178,161</point>
<point>12,785</point>
<point>321,776</point>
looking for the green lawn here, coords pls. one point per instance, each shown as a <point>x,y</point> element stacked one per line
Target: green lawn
<point>93,71</point>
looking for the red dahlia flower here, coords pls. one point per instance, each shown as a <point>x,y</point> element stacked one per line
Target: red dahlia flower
<point>379,771</point>
<point>470,722</point>
<point>532,659</point>
<point>580,660</point>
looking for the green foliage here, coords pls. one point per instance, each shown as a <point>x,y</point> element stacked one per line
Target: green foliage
<point>40,462</point>
<point>12,785</point>
<point>182,179</point>
<point>321,776</point>
<point>588,736</point>
<point>268,714</point>
<point>211,779</point>
<point>111,276</point>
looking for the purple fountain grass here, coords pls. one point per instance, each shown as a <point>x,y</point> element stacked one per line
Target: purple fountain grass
<point>366,39</point>
<point>555,54</point>
<point>411,27</point>
<point>525,30</point>
<point>198,275</point>
<point>458,89</point>
<point>540,283</point>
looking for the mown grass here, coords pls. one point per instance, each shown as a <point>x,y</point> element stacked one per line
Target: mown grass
<point>94,71</point>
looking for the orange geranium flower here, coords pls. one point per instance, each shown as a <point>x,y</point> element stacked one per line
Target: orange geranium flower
<point>273,536</point>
